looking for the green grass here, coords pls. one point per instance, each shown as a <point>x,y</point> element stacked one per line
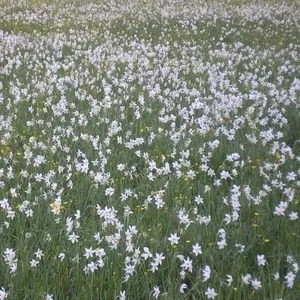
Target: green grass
<point>96,54</point>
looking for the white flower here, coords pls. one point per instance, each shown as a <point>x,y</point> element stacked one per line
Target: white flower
<point>89,252</point>
<point>198,199</point>
<point>229,280</point>
<point>34,263</point>
<point>183,287</point>
<point>121,167</point>
<point>92,266</point>
<point>246,279</point>
<point>122,295</point>
<point>210,293</point>
<point>61,256</point>
<point>28,235</point>
<point>222,243</point>
<point>280,209</point>
<point>187,265</point>
<point>293,216</point>
<point>38,254</point>
<point>146,253</point>
<point>174,238</point>
<point>291,176</point>
<point>9,255</point>
<point>197,249</point>
<point>73,237</point>
<point>240,247</point>
<point>261,260</point>
<point>156,292</point>
<point>109,191</point>
<point>154,267</point>
<point>99,252</point>
<point>159,258</point>
<point>276,276</point>
<point>295,267</point>
<point>289,279</point>
<point>206,273</point>
<point>256,284</point>
<point>98,238</point>
<point>3,294</point>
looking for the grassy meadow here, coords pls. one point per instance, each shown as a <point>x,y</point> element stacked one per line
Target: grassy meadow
<point>149,150</point>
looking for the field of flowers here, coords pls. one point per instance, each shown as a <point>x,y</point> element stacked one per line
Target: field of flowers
<point>149,150</point>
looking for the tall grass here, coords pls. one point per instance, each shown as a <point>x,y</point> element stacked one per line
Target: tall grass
<point>149,150</point>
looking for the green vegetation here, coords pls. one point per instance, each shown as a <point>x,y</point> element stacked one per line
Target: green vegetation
<point>149,150</point>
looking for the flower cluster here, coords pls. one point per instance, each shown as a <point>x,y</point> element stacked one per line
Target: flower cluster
<point>149,150</point>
